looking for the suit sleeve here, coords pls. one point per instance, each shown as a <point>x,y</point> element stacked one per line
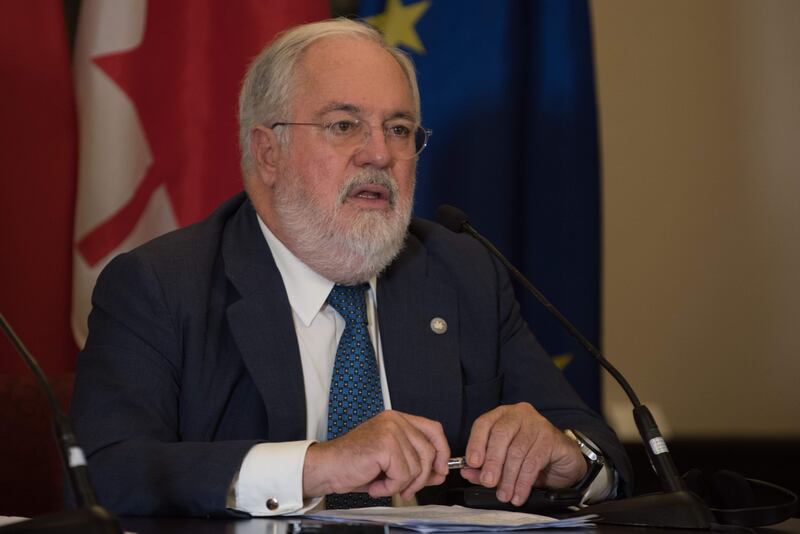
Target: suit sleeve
<point>126,400</point>
<point>529,375</point>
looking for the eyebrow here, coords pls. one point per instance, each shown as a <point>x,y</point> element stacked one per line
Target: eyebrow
<point>339,106</point>
<point>352,108</point>
<point>402,115</point>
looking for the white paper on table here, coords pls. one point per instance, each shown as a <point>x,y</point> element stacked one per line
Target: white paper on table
<point>437,518</point>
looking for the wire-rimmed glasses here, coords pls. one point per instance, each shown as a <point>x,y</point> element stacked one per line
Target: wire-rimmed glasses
<point>404,139</point>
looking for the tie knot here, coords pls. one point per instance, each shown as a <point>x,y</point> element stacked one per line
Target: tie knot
<point>349,301</point>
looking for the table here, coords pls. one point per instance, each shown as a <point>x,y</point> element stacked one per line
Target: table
<point>151,525</point>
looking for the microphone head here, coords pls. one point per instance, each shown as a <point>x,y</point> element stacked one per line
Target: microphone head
<point>451,218</point>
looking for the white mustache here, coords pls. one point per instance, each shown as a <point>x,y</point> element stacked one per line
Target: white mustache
<point>381,178</point>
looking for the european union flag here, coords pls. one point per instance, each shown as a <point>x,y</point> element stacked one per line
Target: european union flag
<point>508,89</point>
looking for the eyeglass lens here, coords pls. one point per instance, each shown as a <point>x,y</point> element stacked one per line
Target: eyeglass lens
<point>357,135</point>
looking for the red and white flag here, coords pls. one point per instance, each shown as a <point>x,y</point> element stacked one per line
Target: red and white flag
<point>37,186</point>
<point>157,86</point>
<point>37,197</point>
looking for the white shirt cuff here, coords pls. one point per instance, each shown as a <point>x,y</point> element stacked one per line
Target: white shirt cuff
<point>602,487</point>
<point>270,480</point>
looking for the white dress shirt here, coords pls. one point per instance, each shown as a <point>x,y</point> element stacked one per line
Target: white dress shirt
<point>275,470</point>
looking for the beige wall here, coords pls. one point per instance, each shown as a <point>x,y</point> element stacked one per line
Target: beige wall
<point>700,125</point>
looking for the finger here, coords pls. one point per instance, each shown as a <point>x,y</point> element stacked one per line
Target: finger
<point>479,437</point>
<point>471,475</point>
<point>403,462</point>
<point>425,455</point>
<point>518,451</point>
<point>419,454</point>
<point>528,473</point>
<point>380,440</point>
<point>434,452</point>
<point>380,488</point>
<point>502,434</point>
<point>434,433</point>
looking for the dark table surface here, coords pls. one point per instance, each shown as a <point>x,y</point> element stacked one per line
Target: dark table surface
<point>149,525</point>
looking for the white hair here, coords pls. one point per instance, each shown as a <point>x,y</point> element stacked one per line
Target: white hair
<point>268,84</point>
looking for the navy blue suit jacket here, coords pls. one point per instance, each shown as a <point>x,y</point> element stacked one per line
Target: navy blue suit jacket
<point>192,358</point>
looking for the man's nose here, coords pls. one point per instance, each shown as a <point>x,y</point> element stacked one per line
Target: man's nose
<point>374,151</point>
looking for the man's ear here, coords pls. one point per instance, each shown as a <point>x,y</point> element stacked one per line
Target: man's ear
<point>266,152</point>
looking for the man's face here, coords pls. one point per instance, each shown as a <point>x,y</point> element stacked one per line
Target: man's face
<point>344,211</point>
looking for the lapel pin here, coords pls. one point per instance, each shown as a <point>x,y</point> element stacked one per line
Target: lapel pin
<point>438,325</point>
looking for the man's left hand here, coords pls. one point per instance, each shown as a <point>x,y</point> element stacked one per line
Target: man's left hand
<point>514,448</point>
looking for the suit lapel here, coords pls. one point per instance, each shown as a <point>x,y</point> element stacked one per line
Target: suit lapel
<point>422,367</point>
<point>261,323</point>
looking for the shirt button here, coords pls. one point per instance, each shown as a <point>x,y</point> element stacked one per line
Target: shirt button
<point>272,504</point>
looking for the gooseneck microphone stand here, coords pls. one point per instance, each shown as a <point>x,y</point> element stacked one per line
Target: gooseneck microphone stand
<point>89,517</point>
<point>675,506</point>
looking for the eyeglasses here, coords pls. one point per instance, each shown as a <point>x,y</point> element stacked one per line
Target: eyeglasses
<point>404,140</point>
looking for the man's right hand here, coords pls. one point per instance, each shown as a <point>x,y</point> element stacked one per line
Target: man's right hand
<point>393,452</point>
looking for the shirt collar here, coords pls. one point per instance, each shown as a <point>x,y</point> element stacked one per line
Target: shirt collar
<point>307,290</point>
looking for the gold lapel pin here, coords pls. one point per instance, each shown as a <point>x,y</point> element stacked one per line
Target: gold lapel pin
<point>438,325</point>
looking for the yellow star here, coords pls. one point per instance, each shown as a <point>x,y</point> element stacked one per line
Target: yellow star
<point>397,24</point>
<point>562,360</point>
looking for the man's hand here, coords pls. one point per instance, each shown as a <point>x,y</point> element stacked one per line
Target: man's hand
<point>391,453</point>
<point>515,448</point>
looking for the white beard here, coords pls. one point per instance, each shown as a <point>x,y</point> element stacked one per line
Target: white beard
<point>345,252</point>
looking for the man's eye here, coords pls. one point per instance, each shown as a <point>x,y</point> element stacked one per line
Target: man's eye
<point>398,130</point>
<point>343,127</point>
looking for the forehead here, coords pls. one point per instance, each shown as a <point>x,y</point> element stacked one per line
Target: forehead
<point>351,71</point>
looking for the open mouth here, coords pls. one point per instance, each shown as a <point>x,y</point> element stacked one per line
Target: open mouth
<point>371,192</point>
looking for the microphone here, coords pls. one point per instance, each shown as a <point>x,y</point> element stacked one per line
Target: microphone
<point>664,512</point>
<point>90,517</point>
<point>457,221</point>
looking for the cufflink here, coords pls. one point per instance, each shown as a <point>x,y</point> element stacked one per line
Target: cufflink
<point>438,325</point>
<point>272,504</point>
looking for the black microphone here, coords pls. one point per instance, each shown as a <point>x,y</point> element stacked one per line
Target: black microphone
<point>90,517</point>
<point>697,515</point>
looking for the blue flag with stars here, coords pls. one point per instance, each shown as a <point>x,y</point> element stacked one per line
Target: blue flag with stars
<point>508,89</point>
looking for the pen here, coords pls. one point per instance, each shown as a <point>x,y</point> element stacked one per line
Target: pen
<point>459,462</point>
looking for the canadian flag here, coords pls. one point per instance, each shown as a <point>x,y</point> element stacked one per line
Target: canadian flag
<point>37,195</point>
<point>157,86</point>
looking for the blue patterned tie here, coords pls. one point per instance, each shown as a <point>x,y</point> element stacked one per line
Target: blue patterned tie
<point>355,394</point>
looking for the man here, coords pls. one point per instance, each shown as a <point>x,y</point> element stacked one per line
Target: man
<point>308,344</point>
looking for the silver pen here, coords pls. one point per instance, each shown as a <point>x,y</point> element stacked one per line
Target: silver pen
<point>458,462</point>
